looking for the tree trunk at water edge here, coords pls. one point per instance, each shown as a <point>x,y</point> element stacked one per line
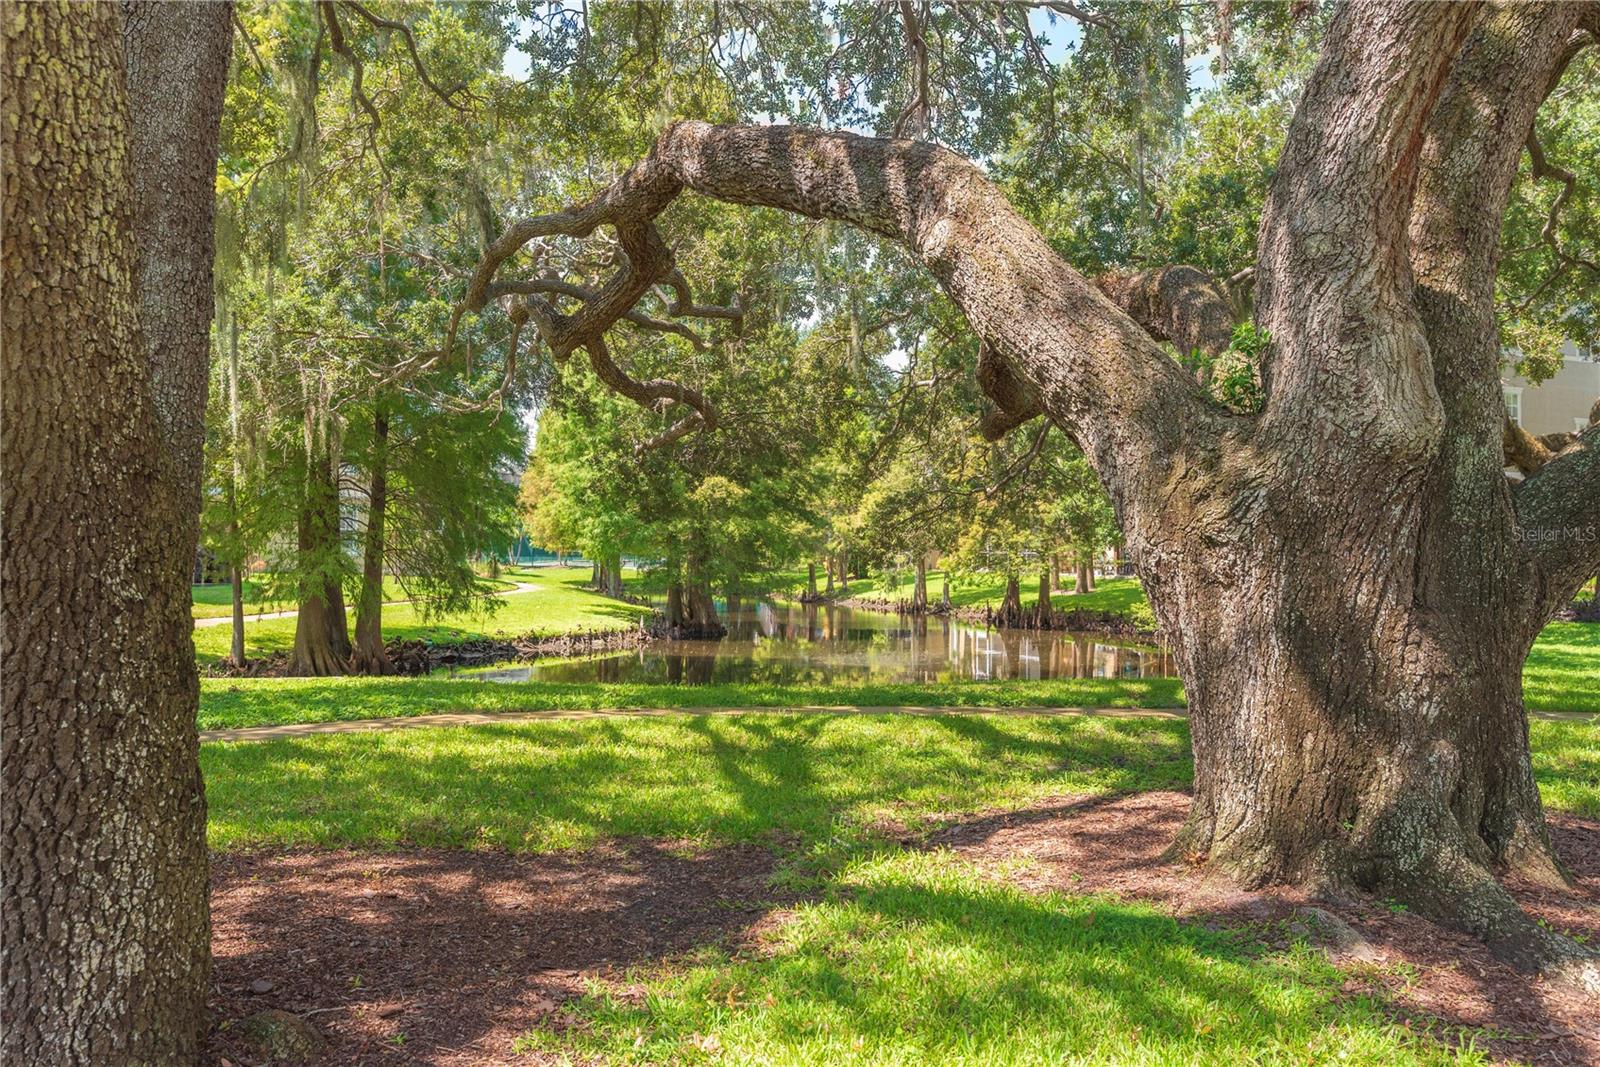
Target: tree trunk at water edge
<point>103,899</point>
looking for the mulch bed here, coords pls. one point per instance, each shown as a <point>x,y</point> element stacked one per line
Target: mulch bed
<point>458,951</point>
<point>463,951</point>
<point>1114,845</point>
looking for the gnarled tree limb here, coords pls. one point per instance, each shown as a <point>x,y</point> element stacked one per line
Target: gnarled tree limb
<point>1097,373</point>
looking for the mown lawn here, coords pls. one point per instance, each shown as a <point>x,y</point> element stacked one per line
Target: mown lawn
<point>565,783</point>
<point>897,956</point>
<point>227,703</point>
<point>216,601</point>
<point>1563,670</point>
<point>559,605</point>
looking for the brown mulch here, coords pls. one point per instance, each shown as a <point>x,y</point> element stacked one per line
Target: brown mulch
<point>445,957</point>
<point>1114,845</point>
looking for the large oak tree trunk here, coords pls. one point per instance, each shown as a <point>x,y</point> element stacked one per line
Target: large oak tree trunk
<point>103,841</point>
<point>1350,584</point>
<point>369,656</point>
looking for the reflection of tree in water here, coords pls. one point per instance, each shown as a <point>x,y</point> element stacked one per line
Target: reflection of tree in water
<point>826,644</point>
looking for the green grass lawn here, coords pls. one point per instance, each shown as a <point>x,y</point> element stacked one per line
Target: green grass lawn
<point>227,703</point>
<point>1563,670</point>
<point>216,601</point>
<point>559,605</point>
<point>897,956</point>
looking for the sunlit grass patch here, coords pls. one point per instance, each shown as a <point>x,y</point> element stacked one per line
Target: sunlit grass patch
<point>560,604</point>
<point>226,703</point>
<point>550,785</point>
<point>1566,764</point>
<point>1563,670</point>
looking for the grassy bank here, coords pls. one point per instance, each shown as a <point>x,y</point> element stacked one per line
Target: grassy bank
<point>560,604</point>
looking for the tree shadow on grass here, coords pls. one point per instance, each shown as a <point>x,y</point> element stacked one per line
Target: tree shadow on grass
<point>1116,845</point>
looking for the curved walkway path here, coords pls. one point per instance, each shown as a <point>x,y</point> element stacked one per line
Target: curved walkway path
<point>227,620</point>
<point>482,718</point>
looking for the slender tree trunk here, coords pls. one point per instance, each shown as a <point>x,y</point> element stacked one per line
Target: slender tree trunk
<point>844,571</point>
<point>1088,572</point>
<point>235,477</point>
<point>321,640</point>
<point>919,594</point>
<point>1082,580</point>
<point>811,580</point>
<point>103,906</point>
<point>829,590</point>
<point>1043,610</point>
<point>944,595</point>
<point>369,655</point>
<point>675,616</point>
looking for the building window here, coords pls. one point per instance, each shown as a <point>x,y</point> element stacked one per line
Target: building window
<point>1513,395</point>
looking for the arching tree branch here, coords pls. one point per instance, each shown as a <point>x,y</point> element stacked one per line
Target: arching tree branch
<point>1096,372</point>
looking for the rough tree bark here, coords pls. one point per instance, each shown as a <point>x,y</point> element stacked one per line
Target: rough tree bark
<point>1010,614</point>
<point>919,593</point>
<point>321,639</point>
<point>369,656</point>
<point>105,924</point>
<point>1357,717</point>
<point>1043,609</point>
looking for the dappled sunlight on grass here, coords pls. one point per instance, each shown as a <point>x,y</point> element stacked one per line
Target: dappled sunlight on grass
<point>558,784</point>
<point>1563,670</point>
<point>226,703</point>
<point>915,958</point>
<point>550,785</point>
<point>1566,763</point>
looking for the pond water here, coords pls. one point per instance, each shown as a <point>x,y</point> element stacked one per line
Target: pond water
<point>823,644</point>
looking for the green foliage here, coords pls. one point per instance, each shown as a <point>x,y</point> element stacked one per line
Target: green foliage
<point>1233,376</point>
<point>1544,289</point>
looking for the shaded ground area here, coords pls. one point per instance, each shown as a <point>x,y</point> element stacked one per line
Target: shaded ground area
<point>449,957</point>
<point>1114,844</point>
<point>444,957</point>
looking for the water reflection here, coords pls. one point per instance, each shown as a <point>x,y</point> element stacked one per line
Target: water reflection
<point>812,644</point>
